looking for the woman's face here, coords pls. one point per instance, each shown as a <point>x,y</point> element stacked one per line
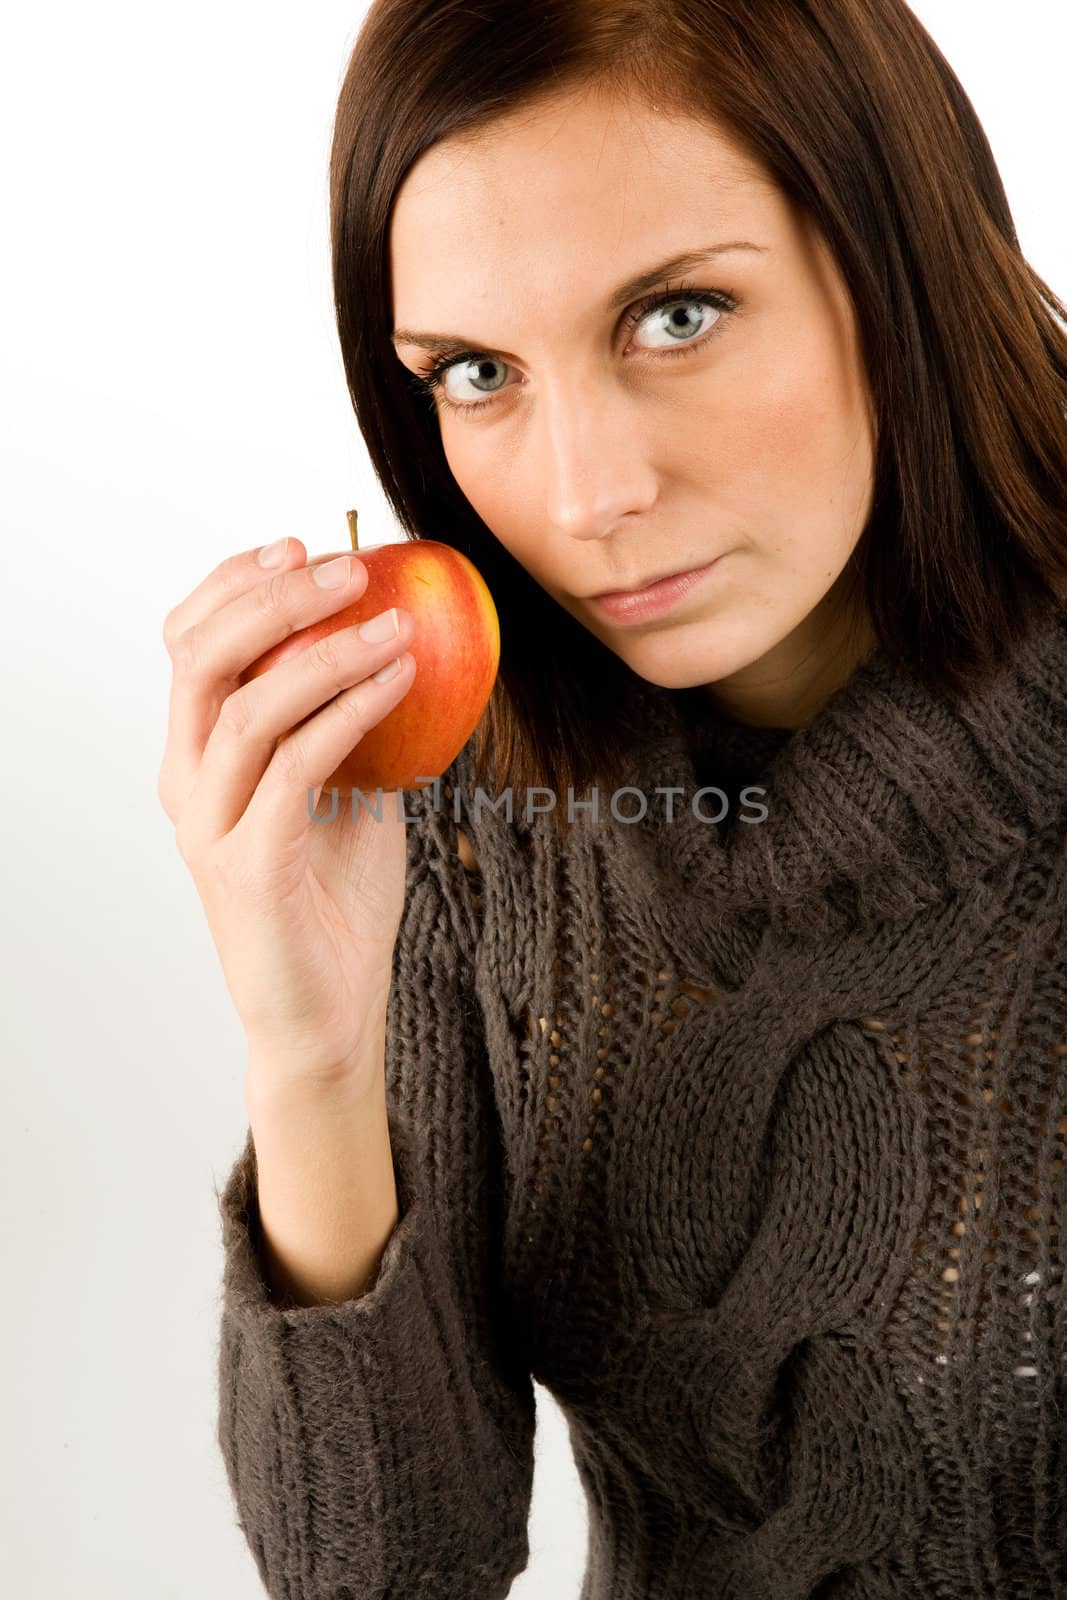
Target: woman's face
<point>607,444</point>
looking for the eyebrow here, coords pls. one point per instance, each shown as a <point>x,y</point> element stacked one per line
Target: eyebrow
<point>445,343</point>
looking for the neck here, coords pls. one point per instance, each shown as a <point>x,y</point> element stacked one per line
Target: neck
<point>786,686</point>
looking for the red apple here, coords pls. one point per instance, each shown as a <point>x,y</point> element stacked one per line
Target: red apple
<point>456,648</point>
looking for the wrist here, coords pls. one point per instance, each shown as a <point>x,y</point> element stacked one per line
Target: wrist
<point>275,1079</point>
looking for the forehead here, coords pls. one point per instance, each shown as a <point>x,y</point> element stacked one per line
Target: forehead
<point>574,179</point>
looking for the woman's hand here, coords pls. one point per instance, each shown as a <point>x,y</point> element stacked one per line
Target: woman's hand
<point>304,913</point>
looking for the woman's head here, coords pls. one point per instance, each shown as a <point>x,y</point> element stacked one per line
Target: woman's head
<point>620,441</point>
<point>861,412</point>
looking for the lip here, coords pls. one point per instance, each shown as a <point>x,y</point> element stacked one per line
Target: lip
<point>639,605</point>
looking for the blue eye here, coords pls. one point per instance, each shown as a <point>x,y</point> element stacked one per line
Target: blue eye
<point>478,361</point>
<point>672,314</point>
<point>682,337</point>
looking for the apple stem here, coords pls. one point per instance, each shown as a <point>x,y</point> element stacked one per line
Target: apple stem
<point>352,515</point>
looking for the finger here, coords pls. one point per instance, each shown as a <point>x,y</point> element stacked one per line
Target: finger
<point>190,718</point>
<point>229,579</point>
<point>256,716</point>
<point>211,654</point>
<point>279,808</point>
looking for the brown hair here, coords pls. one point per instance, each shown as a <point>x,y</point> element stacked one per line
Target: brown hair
<point>864,126</point>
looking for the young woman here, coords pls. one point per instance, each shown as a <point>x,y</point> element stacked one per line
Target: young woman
<point>721,1082</point>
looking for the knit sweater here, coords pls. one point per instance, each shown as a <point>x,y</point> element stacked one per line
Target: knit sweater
<point>746,1138</point>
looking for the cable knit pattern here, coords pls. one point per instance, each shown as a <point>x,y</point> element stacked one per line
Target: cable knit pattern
<point>744,1137</point>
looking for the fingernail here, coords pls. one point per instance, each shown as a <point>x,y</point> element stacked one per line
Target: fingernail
<point>272,555</point>
<point>383,626</point>
<point>332,574</point>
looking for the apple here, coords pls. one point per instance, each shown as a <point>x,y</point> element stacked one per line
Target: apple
<point>456,647</point>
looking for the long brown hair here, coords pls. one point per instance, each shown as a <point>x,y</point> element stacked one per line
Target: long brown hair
<point>860,120</point>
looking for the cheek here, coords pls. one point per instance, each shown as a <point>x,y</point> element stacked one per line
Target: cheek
<point>825,432</point>
<point>795,413</point>
<point>491,480</point>
<point>477,467</point>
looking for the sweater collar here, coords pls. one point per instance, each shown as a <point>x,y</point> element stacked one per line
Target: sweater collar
<point>887,800</point>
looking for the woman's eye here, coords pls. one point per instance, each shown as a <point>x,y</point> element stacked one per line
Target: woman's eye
<point>680,321</point>
<point>479,374</point>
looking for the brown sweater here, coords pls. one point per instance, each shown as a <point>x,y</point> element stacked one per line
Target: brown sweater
<point>747,1140</point>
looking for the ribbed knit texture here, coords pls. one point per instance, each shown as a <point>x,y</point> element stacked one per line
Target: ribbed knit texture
<point>747,1140</point>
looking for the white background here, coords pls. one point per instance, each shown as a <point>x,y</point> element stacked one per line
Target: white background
<point>172,392</point>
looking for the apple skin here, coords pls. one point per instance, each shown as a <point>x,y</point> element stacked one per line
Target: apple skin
<point>456,647</point>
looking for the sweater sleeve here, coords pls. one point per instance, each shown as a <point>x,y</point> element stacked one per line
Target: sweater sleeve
<point>383,1446</point>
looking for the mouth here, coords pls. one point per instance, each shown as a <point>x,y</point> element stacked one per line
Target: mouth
<point>651,599</point>
<point>649,583</point>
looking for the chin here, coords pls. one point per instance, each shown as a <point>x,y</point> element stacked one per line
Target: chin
<point>669,664</point>
<point>680,679</point>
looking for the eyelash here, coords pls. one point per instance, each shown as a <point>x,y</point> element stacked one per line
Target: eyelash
<point>431,381</point>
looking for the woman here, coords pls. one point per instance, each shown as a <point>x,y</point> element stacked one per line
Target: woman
<point>723,1080</point>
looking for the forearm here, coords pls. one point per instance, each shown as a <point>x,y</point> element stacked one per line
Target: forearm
<point>327,1191</point>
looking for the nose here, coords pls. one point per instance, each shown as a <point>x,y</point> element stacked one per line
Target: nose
<point>594,465</point>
